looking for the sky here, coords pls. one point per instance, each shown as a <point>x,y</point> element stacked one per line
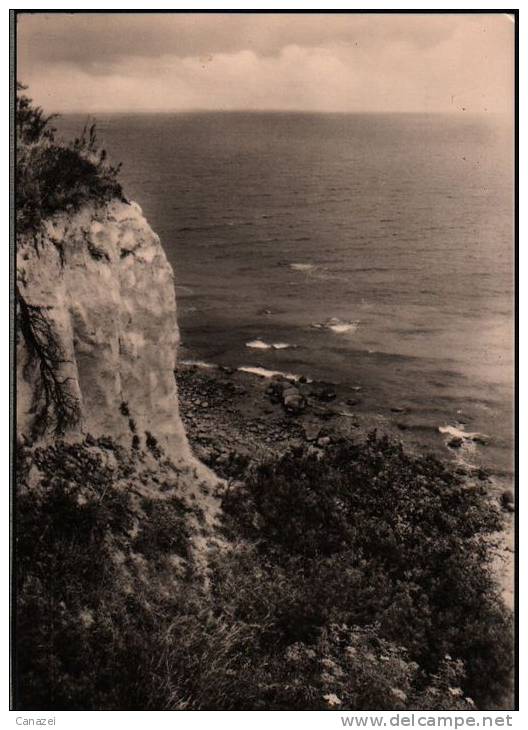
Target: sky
<point>101,62</point>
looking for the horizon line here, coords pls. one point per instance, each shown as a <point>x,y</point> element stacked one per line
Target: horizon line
<point>202,110</point>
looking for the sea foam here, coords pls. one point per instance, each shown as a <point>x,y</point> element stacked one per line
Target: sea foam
<point>460,433</point>
<point>261,345</point>
<point>338,326</point>
<point>265,373</point>
<point>302,267</point>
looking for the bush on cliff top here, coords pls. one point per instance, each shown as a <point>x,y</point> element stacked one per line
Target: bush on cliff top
<point>53,176</point>
<point>356,582</point>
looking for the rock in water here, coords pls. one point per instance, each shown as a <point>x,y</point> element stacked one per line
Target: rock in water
<point>96,330</point>
<point>292,400</point>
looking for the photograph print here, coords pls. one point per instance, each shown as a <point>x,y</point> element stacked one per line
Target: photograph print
<point>264,306</point>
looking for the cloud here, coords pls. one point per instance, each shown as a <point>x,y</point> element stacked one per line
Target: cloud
<point>340,62</point>
<point>86,39</point>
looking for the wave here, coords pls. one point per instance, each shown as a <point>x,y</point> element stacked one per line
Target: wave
<point>459,433</point>
<point>199,364</point>
<point>302,267</point>
<point>261,345</point>
<point>316,271</point>
<point>258,345</point>
<point>343,327</point>
<point>265,373</point>
<point>338,326</point>
<point>253,370</point>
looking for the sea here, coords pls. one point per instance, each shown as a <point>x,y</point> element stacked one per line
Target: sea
<point>374,251</point>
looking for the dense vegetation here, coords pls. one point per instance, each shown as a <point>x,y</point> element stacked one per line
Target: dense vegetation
<point>354,582</point>
<point>370,534</point>
<point>52,175</point>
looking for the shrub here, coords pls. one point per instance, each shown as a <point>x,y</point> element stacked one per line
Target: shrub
<point>53,176</point>
<point>234,658</point>
<point>164,529</point>
<point>373,534</point>
<point>89,609</point>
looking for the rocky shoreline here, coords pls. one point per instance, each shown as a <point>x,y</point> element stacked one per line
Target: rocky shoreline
<point>232,416</point>
<point>226,410</point>
<point>234,419</point>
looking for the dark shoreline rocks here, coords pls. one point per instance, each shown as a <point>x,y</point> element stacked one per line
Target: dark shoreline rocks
<point>233,413</point>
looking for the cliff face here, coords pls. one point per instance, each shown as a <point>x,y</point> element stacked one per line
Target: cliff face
<point>97,334</point>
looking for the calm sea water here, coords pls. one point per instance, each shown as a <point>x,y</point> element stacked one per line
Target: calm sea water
<point>378,247</point>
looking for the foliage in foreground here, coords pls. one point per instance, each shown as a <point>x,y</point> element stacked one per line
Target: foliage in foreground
<point>370,534</point>
<point>53,176</point>
<point>360,581</point>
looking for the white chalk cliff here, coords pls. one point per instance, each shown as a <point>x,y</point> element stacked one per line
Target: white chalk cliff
<point>97,334</point>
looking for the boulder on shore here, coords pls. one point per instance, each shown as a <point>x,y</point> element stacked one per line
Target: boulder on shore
<point>292,400</point>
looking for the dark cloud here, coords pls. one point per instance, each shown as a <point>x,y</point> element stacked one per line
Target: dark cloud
<point>97,40</point>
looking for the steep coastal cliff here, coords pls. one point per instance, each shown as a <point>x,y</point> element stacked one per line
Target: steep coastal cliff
<point>97,335</point>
